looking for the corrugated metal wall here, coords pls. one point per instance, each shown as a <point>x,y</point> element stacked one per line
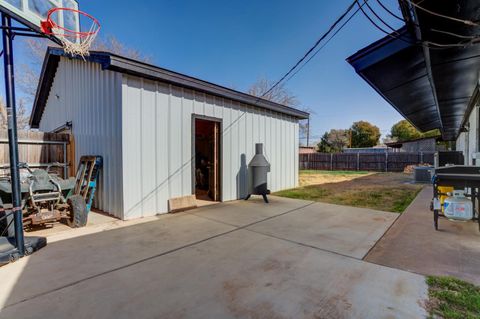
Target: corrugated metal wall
<point>157,144</point>
<point>155,120</point>
<point>91,99</point>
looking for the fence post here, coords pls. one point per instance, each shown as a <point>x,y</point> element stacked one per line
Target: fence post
<point>421,157</point>
<point>386,161</point>
<point>358,161</point>
<point>331,161</point>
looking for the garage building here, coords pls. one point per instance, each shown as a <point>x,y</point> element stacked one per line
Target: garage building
<point>162,134</point>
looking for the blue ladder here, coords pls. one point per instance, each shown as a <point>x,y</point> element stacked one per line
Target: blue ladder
<point>87,178</point>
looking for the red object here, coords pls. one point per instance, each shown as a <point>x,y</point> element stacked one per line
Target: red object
<point>49,25</point>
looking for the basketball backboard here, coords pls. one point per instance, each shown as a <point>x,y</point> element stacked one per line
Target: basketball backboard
<point>32,12</point>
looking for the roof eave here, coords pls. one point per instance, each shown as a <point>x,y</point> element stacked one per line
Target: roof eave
<point>124,65</point>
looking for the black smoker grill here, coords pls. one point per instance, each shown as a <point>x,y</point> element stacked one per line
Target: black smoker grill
<point>458,177</point>
<point>259,168</point>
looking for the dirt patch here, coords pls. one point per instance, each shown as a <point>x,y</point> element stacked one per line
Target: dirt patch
<point>307,179</point>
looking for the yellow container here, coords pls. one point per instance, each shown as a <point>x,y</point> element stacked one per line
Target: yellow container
<point>444,190</point>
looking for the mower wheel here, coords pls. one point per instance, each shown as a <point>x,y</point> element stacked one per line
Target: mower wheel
<point>78,211</point>
<point>3,224</point>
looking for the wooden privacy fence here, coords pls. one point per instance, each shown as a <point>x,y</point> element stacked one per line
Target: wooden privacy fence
<point>383,162</point>
<point>39,150</point>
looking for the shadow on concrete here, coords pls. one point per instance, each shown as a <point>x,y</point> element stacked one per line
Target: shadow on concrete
<point>184,266</point>
<point>413,244</point>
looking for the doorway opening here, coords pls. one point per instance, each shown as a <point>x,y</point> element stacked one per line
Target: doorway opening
<point>207,159</point>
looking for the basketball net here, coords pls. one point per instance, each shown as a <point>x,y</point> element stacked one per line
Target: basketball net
<point>73,42</point>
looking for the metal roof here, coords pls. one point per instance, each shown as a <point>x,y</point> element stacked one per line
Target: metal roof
<point>432,83</point>
<point>399,144</point>
<point>117,63</point>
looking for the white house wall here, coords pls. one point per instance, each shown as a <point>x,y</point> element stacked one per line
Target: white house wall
<point>468,142</point>
<point>157,144</point>
<point>91,99</point>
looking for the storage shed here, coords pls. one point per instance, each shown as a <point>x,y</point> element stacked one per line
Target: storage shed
<point>162,134</point>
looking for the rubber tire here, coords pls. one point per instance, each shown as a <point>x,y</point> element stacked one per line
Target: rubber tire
<point>3,225</point>
<point>78,212</point>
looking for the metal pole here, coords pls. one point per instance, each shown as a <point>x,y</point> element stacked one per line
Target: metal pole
<point>386,161</point>
<point>308,132</point>
<point>65,161</point>
<point>12,132</point>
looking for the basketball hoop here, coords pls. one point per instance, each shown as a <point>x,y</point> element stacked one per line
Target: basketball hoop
<point>74,42</point>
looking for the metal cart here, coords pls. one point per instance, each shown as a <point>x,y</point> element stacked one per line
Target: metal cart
<point>458,177</point>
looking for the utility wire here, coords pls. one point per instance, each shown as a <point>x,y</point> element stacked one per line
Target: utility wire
<point>469,37</point>
<point>379,27</point>
<point>467,22</point>
<point>389,11</point>
<point>320,48</point>
<point>332,27</point>
<point>433,30</point>
<point>428,44</point>
<point>381,20</point>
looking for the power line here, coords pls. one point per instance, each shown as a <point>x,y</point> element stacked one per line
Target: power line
<point>379,27</point>
<point>433,30</point>
<point>427,44</point>
<point>467,22</point>
<point>320,48</point>
<point>380,18</point>
<point>389,11</point>
<point>332,27</point>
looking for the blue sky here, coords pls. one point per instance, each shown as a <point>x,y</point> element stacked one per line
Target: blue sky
<point>233,43</point>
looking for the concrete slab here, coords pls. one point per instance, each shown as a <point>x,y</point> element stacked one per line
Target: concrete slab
<point>237,275</point>
<point>67,261</point>
<point>245,212</point>
<point>342,229</point>
<point>413,244</point>
<point>94,219</point>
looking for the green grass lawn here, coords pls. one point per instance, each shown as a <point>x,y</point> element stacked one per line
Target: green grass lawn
<point>451,298</point>
<point>390,192</point>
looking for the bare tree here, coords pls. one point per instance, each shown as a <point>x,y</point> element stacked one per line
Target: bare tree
<point>112,44</point>
<point>280,94</point>
<point>28,72</point>
<point>22,115</point>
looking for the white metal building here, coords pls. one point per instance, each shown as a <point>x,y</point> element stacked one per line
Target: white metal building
<point>468,141</point>
<point>144,120</point>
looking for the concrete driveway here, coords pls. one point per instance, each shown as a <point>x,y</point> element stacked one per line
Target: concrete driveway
<point>453,250</point>
<point>244,259</point>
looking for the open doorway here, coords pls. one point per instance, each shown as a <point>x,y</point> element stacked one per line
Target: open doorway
<point>206,177</point>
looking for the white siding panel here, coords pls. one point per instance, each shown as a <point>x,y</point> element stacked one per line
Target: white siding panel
<point>158,123</point>
<point>187,156</point>
<point>143,131</point>
<point>468,142</point>
<point>176,139</point>
<point>473,135</point>
<point>91,99</point>
<point>132,153</point>
<point>148,136</point>
<point>161,146</point>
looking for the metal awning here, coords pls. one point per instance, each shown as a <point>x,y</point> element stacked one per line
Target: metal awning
<point>430,82</point>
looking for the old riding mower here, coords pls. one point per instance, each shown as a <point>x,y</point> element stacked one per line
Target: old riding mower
<point>47,198</point>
